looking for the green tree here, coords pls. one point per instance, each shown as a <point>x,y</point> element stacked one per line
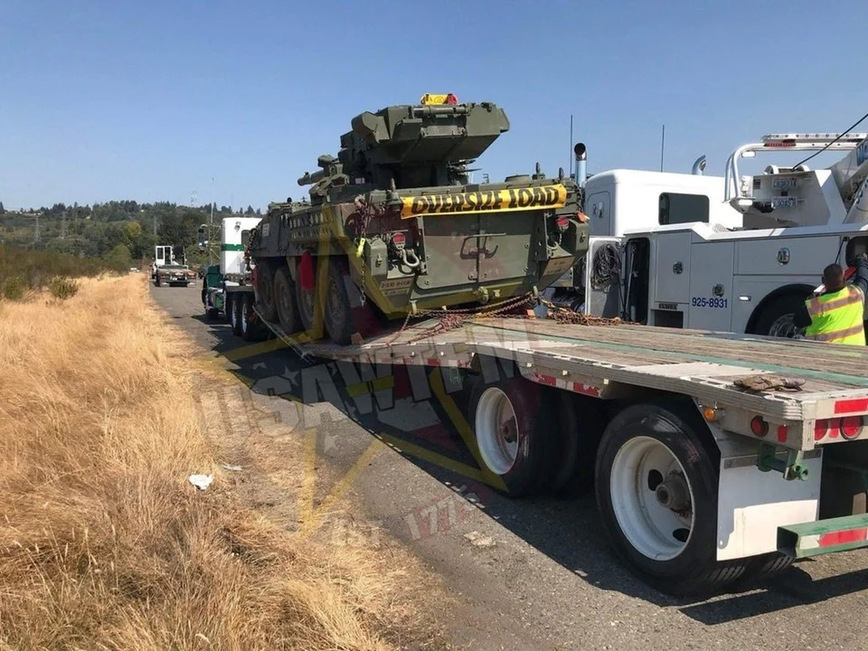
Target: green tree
<point>119,257</point>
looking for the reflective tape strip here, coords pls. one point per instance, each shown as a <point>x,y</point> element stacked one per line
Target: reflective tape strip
<point>569,385</point>
<point>834,538</point>
<point>816,306</point>
<point>837,334</point>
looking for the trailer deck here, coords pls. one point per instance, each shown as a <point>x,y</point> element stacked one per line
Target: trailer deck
<point>611,361</point>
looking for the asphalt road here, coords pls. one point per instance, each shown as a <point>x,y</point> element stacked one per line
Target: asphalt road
<point>530,574</point>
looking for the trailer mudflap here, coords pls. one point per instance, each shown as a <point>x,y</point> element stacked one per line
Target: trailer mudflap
<point>824,536</point>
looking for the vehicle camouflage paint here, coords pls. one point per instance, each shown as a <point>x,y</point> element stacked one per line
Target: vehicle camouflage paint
<point>393,225</point>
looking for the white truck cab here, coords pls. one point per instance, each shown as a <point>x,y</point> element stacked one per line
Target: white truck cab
<point>732,253</point>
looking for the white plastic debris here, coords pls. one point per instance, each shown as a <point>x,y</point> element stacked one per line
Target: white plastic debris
<point>227,466</point>
<point>201,481</point>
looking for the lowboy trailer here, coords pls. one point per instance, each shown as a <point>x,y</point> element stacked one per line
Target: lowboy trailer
<point>698,481</point>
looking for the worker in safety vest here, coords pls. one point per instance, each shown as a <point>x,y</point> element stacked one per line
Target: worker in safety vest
<point>838,314</point>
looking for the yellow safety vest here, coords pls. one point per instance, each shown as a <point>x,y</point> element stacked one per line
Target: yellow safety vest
<point>837,317</point>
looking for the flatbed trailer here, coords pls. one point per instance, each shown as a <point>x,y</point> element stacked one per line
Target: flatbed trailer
<point>698,481</point>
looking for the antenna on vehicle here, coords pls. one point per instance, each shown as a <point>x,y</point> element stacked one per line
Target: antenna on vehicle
<point>662,146</point>
<point>571,146</point>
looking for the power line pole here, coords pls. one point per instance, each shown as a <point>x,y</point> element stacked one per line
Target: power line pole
<point>211,226</point>
<point>36,234</point>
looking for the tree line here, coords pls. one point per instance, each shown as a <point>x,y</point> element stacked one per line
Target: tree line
<point>120,232</point>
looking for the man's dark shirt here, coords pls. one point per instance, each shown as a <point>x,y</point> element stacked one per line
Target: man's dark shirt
<point>802,318</point>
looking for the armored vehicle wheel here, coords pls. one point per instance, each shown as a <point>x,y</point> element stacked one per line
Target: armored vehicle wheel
<point>656,485</point>
<point>305,293</point>
<point>265,289</point>
<point>284,298</point>
<point>338,312</point>
<point>511,420</point>
<point>227,308</point>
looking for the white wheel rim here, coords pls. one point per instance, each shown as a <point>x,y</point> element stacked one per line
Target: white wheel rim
<point>244,316</point>
<point>497,432</point>
<point>652,528</point>
<point>783,326</point>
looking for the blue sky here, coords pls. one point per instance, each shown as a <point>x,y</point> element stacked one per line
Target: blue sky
<point>152,100</point>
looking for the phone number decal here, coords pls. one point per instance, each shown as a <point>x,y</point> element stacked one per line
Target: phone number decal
<point>702,301</point>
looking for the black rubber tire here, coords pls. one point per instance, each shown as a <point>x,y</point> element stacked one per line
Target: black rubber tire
<point>284,299</point>
<point>337,310</point>
<point>227,308</point>
<point>248,328</point>
<point>265,289</point>
<point>580,427</point>
<point>695,569</point>
<point>305,301</point>
<point>532,405</point>
<point>781,306</point>
<point>763,567</point>
<point>237,304</point>
<point>213,313</point>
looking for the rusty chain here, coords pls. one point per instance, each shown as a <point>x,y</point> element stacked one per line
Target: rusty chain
<point>452,319</point>
<point>565,315</point>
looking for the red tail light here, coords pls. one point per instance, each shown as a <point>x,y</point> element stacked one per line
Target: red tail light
<point>563,223</point>
<point>821,428</point>
<point>851,426</point>
<point>758,426</point>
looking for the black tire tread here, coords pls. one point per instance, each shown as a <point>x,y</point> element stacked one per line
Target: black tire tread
<point>701,576</point>
<point>533,404</point>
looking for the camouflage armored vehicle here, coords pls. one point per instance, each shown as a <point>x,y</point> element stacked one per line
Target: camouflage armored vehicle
<point>393,225</point>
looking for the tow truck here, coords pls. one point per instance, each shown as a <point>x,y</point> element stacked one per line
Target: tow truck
<point>733,253</point>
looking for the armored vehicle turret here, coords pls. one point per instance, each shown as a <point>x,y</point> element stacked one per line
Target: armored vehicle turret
<point>394,225</point>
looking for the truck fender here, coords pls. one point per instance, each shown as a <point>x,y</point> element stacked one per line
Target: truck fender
<point>752,504</point>
<point>796,289</point>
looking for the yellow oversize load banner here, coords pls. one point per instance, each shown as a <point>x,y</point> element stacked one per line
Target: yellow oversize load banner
<point>466,203</point>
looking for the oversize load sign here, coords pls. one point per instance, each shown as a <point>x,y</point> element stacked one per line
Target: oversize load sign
<point>465,203</point>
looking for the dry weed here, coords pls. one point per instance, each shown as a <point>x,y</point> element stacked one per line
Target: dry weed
<point>104,544</point>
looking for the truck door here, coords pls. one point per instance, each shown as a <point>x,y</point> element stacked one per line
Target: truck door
<point>478,248</point>
<point>504,248</point>
<point>671,265</point>
<point>711,274</point>
<point>450,250</point>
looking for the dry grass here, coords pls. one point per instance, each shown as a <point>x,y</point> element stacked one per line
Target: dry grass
<point>103,542</point>
<point>23,271</point>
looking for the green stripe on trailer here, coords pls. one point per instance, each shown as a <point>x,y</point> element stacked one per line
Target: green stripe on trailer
<point>231,247</point>
<point>824,536</point>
